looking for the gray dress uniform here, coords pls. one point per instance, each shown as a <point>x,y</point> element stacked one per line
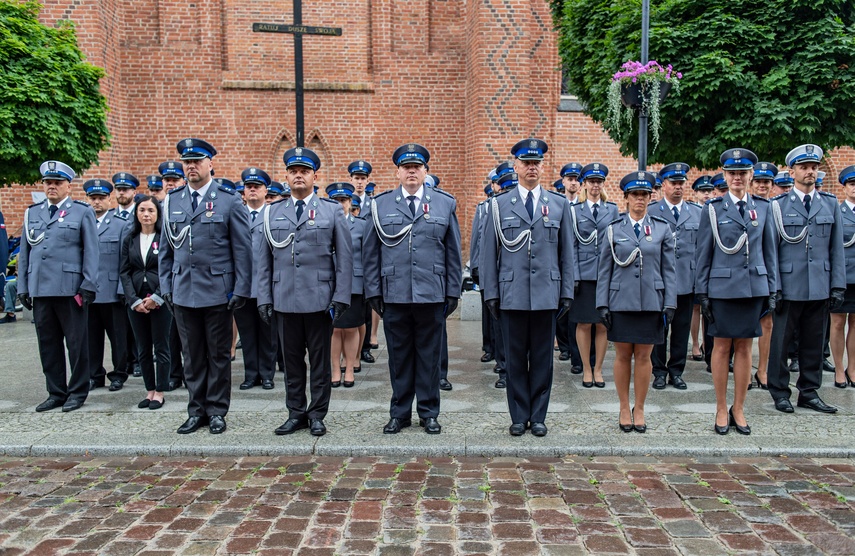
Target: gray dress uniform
<point>527,264</point>
<point>304,266</point>
<point>413,261</point>
<point>474,255</point>
<point>203,264</point>
<point>811,263</point>
<point>848,218</point>
<point>58,259</point>
<point>588,231</point>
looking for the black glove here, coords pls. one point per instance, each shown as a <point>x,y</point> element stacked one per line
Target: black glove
<point>450,305</point>
<point>338,308</point>
<point>493,307</point>
<point>564,305</point>
<point>475,275</point>
<point>236,302</point>
<point>779,301</point>
<point>576,285</point>
<point>265,313</point>
<point>706,311</point>
<point>167,297</point>
<point>87,296</point>
<point>377,304</point>
<point>836,297</point>
<point>773,302</point>
<point>669,316</point>
<point>26,301</point>
<point>605,317</point>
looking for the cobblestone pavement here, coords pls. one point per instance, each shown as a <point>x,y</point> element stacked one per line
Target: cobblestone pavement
<point>387,506</point>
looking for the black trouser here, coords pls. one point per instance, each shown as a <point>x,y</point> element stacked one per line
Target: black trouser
<point>258,341</point>
<point>443,356</point>
<point>299,332</point>
<point>366,341</point>
<point>486,327</point>
<point>151,331</point>
<point>58,319</point>
<point>206,336</point>
<point>498,344</point>
<point>414,341</point>
<point>805,320</point>
<point>671,360</point>
<point>793,352</point>
<point>176,367</point>
<point>528,344</point>
<point>130,343</point>
<point>109,318</point>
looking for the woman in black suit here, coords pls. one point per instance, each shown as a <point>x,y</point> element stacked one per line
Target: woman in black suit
<point>150,318</point>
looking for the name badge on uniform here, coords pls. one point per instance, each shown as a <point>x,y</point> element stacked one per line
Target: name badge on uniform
<point>545,211</point>
<point>647,232</point>
<point>62,214</point>
<point>154,249</point>
<point>312,217</point>
<point>426,211</point>
<point>753,214</point>
<point>209,207</point>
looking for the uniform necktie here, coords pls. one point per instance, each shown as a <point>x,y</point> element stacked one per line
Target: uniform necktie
<point>412,203</point>
<point>676,213</point>
<point>125,213</point>
<point>254,214</point>
<point>807,203</point>
<point>300,205</point>
<point>195,202</point>
<point>637,229</point>
<point>596,210</point>
<point>529,205</point>
<point>52,210</point>
<point>741,208</point>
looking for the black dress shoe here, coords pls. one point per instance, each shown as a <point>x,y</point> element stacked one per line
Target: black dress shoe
<point>247,384</point>
<point>291,426</point>
<point>517,429</point>
<point>93,384</point>
<point>783,405</point>
<point>316,427</point>
<point>760,385</point>
<point>48,404</point>
<point>658,382</point>
<point>815,404</point>
<point>599,384</point>
<point>366,356</point>
<point>217,424</point>
<point>144,404</point>
<point>192,424</point>
<point>849,380</point>
<point>173,385</point>
<point>698,357</point>
<point>587,384</point>
<point>708,369</point>
<point>431,425</point>
<point>395,425</point>
<point>827,366</point>
<point>267,384</point>
<point>444,384</point>
<point>722,430</point>
<point>156,404</point>
<point>677,382</point>
<point>487,357</point>
<point>497,369</point>
<point>564,356</point>
<point>137,372</point>
<point>72,405</point>
<point>501,382</point>
<point>539,429</point>
<point>576,370</point>
<point>746,430</point>
<point>794,366</point>
<point>375,346</point>
<point>116,385</point>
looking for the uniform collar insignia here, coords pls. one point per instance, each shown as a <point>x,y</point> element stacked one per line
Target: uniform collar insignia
<point>213,195</point>
<point>398,199</point>
<point>427,197</point>
<point>513,199</point>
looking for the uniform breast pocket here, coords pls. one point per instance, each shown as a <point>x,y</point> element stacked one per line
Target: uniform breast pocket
<point>110,245</point>
<point>392,224</point>
<point>69,231</point>
<point>319,233</point>
<point>848,231</point>
<point>793,225</point>
<point>690,231</point>
<point>551,227</point>
<point>280,229</point>
<point>437,227</point>
<point>823,225</point>
<point>214,224</point>
<point>511,228</point>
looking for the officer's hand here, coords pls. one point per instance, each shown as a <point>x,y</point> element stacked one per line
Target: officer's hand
<point>236,302</point>
<point>336,310</point>
<point>564,305</point>
<point>773,302</point>
<point>475,275</point>
<point>450,305</point>
<point>26,301</point>
<point>168,298</point>
<point>706,311</point>
<point>576,287</point>
<point>837,297</point>
<point>779,301</point>
<point>493,307</point>
<point>669,316</point>
<point>605,317</point>
<point>87,296</point>
<point>265,313</point>
<point>377,304</point>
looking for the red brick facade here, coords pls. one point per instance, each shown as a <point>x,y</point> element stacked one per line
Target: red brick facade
<point>466,79</point>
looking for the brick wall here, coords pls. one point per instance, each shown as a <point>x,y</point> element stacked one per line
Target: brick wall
<point>467,79</point>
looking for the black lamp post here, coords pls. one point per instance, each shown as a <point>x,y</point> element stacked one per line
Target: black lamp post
<point>642,114</point>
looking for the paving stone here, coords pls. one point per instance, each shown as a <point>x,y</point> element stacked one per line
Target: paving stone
<point>833,543</point>
<point>606,544</point>
<point>725,522</point>
<point>512,531</point>
<point>695,547</point>
<point>743,542</point>
<point>686,528</point>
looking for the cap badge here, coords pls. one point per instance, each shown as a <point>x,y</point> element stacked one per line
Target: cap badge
<point>51,166</point>
<point>361,164</point>
<point>252,171</point>
<point>763,166</point>
<point>532,144</point>
<point>411,148</point>
<point>171,165</point>
<point>809,149</point>
<point>737,154</point>
<point>188,143</point>
<point>298,151</point>
<point>98,183</point>
<point>641,176</point>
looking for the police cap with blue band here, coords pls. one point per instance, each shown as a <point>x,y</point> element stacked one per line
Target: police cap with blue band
<point>703,183</point>
<point>504,168</point>
<point>171,168</point>
<point>508,180</point>
<point>355,201</point>
<point>676,171</point>
<point>436,179</point>
<point>718,181</point>
<point>97,187</point>
<point>411,153</point>
<point>154,182</point>
<point>359,167</point>
<point>369,187</point>
<point>572,169</point>
<point>558,185</point>
<point>529,149</point>
<point>765,171</point>
<point>847,175</point>
<point>286,189</point>
<point>488,190</point>
<point>492,177</point>
<point>803,154</point>
<point>638,181</point>
<point>784,179</point>
<point>820,175</point>
<point>340,190</point>
<point>255,175</point>
<point>55,170</point>
<point>276,188</point>
<point>125,180</point>
<point>239,187</point>
<point>738,159</point>
<point>594,170</point>
<point>301,156</point>
<point>195,149</point>
<point>657,184</point>
<point>225,183</point>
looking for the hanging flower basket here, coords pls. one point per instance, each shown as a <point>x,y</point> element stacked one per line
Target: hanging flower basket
<point>642,87</point>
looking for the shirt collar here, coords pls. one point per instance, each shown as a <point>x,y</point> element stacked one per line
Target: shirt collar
<point>734,199</point>
<point>801,194</point>
<point>671,207</point>
<point>59,204</point>
<point>419,194</point>
<point>202,191</point>
<point>307,200</point>
<point>634,222</point>
<point>850,205</point>
<point>524,193</point>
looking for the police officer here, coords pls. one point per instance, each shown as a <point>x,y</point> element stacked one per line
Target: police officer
<point>527,270</point>
<point>360,174</point>
<point>812,277</point>
<point>781,184</point>
<point>684,218</point>
<point>735,275</point>
<point>474,255</point>
<point>305,273</point>
<point>57,280</point>
<point>126,187</point>
<point>172,175</point>
<point>107,314</point>
<point>570,180</point>
<point>720,185</point>
<point>204,277</point>
<point>704,191</point>
<point>845,313</point>
<point>4,261</point>
<point>413,276</point>
<point>155,187</point>
<point>761,186</point>
<point>258,338</point>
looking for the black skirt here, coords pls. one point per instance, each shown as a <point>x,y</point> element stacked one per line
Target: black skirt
<point>354,317</point>
<point>737,318</point>
<point>584,308</point>
<point>848,301</point>
<point>637,327</point>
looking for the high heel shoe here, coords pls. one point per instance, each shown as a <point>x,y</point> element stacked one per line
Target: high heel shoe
<point>760,385</point>
<point>849,380</point>
<point>588,383</point>
<point>843,384</point>
<point>600,383</point>
<point>335,383</point>
<point>349,383</point>
<point>739,428</point>
<point>638,428</point>
<point>722,430</point>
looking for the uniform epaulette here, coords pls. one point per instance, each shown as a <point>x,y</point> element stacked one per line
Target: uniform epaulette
<point>277,202</point>
<point>37,204</point>
<point>327,199</point>
<point>177,189</point>
<point>658,218</point>
<point>557,194</point>
<point>716,200</point>
<point>826,194</point>
<point>781,196</point>
<point>651,203</point>
<point>503,191</point>
<point>374,198</point>
<point>447,194</point>
<point>758,198</point>
<point>226,189</point>
<point>616,220</point>
<point>611,203</point>
<point>694,204</point>
<point>120,217</point>
<point>84,203</point>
